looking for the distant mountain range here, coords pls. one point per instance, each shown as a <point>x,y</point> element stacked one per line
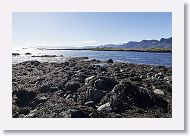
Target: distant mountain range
<point>144,44</point>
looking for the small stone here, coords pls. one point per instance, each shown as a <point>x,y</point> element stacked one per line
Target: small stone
<point>67,93</point>
<point>75,98</point>
<point>28,53</point>
<point>110,61</point>
<point>88,79</point>
<point>158,91</point>
<point>15,54</point>
<point>105,107</point>
<point>90,104</point>
<point>69,96</point>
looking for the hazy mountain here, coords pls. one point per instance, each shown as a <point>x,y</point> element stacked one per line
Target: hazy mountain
<point>162,43</point>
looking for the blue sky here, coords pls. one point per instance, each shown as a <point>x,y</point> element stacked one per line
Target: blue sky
<point>85,29</point>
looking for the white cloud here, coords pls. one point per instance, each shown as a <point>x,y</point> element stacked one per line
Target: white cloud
<point>88,42</point>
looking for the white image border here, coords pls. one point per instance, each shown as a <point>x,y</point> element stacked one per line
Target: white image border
<point>7,7</point>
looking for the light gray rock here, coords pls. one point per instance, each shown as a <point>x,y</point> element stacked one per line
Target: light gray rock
<point>158,91</point>
<point>105,107</point>
<point>88,79</point>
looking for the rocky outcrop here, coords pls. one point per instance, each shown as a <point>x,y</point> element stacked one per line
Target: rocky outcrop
<point>80,88</point>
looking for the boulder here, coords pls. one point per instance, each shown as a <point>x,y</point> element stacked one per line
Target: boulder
<point>72,86</point>
<point>110,61</point>
<point>125,95</point>
<point>95,95</point>
<point>24,97</point>
<point>104,83</point>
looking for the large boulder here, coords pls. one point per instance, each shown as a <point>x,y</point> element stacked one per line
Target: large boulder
<point>125,95</point>
<point>104,83</point>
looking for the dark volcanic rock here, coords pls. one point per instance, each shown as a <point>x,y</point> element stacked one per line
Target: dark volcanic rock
<point>81,88</point>
<point>72,86</point>
<point>28,53</point>
<point>95,95</point>
<point>15,54</point>
<point>110,61</point>
<point>125,95</point>
<point>104,83</point>
<point>24,97</point>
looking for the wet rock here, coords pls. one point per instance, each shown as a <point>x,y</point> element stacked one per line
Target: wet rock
<point>104,83</point>
<point>105,107</point>
<point>73,113</point>
<point>110,61</point>
<point>72,86</point>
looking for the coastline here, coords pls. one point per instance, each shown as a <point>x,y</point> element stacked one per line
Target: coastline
<point>155,50</point>
<point>82,88</point>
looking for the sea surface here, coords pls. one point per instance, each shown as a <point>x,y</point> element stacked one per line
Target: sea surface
<point>150,58</point>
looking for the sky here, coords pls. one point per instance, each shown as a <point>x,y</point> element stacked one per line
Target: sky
<point>72,29</point>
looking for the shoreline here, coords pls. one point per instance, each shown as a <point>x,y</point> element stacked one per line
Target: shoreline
<point>82,88</point>
<point>120,49</point>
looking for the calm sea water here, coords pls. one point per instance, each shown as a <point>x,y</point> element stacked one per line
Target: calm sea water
<point>164,59</point>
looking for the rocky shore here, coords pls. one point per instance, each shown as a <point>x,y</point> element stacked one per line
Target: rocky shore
<point>83,88</point>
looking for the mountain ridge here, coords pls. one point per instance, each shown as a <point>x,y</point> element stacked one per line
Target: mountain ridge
<point>144,44</point>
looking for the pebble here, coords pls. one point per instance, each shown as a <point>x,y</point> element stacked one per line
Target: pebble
<point>105,107</point>
<point>158,91</point>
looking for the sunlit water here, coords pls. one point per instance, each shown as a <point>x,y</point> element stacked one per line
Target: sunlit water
<point>164,59</point>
